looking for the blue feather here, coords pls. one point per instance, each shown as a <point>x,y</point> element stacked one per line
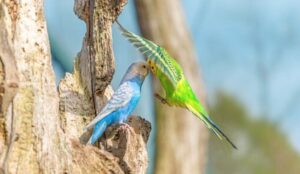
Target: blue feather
<point>121,114</point>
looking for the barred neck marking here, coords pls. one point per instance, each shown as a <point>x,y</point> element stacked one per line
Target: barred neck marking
<point>168,65</point>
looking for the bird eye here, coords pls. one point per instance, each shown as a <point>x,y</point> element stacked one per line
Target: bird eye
<point>144,66</point>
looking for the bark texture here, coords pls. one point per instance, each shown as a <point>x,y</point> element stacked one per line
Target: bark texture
<point>181,137</point>
<point>40,126</point>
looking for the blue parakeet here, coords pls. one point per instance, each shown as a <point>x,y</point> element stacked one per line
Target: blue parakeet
<point>123,101</point>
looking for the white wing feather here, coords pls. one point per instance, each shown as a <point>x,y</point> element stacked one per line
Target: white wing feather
<point>119,99</point>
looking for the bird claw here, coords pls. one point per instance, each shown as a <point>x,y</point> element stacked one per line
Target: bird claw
<point>161,99</point>
<point>124,127</point>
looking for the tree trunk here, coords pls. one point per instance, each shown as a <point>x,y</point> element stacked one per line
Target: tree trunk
<point>40,126</point>
<point>181,137</point>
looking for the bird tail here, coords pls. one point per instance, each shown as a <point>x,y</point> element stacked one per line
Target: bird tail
<point>99,129</point>
<point>218,131</point>
<point>212,126</point>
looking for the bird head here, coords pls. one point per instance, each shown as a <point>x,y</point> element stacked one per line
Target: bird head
<point>137,69</point>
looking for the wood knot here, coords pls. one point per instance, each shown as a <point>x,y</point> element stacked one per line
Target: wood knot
<point>13,85</point>
<point>2,89</point>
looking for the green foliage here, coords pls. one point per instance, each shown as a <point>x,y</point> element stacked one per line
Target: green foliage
<point>263,149</point>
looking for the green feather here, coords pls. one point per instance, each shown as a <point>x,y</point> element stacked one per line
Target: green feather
<point>178,91</point>
<point>163,61</point>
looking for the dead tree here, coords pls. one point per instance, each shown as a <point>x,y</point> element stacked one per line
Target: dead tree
<point>181,137</point>
<point>40,125</point>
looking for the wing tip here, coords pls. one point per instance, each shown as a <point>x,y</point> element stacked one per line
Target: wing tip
<point>90,141</point>
<point>121,26</point>
<point>88,127</point>
<point>85,129</point>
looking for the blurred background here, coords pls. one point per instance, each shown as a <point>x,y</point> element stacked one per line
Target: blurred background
<point>249,56</point>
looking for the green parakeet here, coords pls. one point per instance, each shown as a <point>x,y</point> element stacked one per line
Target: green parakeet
<point>170,74</point>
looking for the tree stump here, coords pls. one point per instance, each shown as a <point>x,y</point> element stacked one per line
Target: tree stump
<point>40,126</point>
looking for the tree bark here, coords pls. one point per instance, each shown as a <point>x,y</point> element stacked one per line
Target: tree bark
<point>40,126</point>
<point>181,137</point>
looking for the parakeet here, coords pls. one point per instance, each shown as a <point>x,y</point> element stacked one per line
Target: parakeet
<point>170,74</point>
<point>122,103</point>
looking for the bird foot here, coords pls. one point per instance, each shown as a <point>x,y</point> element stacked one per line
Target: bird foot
<point>124,127</point>
<point>161,99</point>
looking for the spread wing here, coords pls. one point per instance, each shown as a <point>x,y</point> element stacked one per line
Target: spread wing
<point>119,99</point>
<point>163,61</point>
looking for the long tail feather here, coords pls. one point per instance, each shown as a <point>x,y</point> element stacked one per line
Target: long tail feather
<point>99,129</point>
<point>218,131</point>
<point>199,112</point>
